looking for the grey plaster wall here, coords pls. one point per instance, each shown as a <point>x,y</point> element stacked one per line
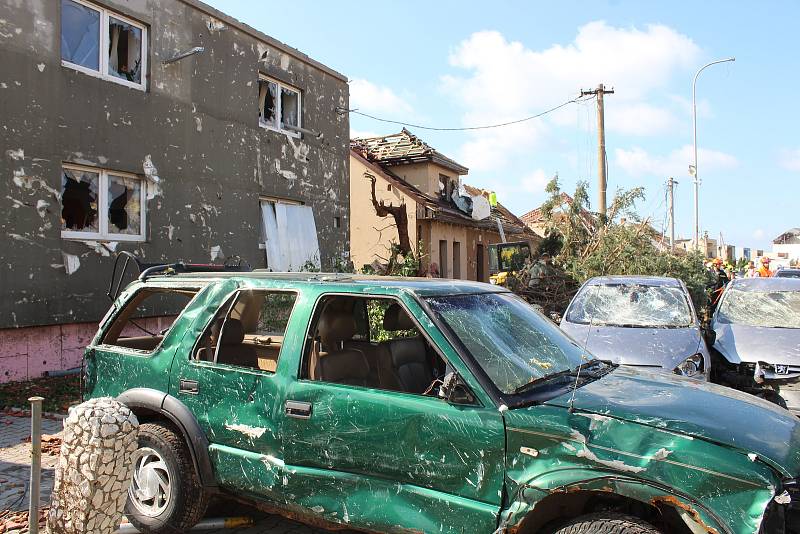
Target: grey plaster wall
<point>198,121</point>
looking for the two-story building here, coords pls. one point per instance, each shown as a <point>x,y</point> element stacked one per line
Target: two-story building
<point>449,223</point>
<point>160,127</point>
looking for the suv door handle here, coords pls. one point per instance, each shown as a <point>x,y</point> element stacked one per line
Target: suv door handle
<point>189,386</point>
<point>298,410</point>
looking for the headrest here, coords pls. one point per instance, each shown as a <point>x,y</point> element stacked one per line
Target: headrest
<point>396,318</point>
<point>232,332</point>
<point>335,327</point>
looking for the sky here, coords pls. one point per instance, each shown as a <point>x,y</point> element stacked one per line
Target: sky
<point>462,63</point>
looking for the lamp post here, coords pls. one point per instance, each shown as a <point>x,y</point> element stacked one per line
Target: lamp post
<point>693,168</point>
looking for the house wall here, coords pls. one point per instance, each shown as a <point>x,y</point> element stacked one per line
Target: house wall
<point>371,236</point>
<point>198,123</point>
<point>791,251</point>
<point>424,176</point>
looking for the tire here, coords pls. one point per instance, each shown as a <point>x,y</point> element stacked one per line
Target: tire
<point>606,523</point>
<point>165,495</point>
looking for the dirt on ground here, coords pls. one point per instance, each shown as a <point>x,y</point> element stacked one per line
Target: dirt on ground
<point>59,393</point>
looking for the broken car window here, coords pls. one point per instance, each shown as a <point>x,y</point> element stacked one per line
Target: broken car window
<point>772,309</point>
<point>631,305</point>
<point>248,331</point>
<point>511,341</point>
<point>124,50</point>
<point>147,317</point>
<point>124,205</point>
<point>79,198</point>
<point>80,35</point>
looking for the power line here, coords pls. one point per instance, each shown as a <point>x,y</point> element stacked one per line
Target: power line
<point>465,128</point>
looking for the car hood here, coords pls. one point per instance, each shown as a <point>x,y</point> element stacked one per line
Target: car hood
<point>741,343</point>
<point>663,347</point>
<point>698,409</point>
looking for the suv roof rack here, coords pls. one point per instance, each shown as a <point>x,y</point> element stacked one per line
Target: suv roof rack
<point>236,264</point>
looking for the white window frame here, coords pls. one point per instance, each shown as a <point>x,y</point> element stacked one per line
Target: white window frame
<point>278,105</point>
<point>104,25</point>
<point>102,207</point>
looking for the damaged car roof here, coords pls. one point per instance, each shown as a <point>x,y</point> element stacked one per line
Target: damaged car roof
<point>635,280</point>
<point>423,287</point>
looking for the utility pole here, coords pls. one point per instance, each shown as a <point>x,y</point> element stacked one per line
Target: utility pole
<point>601,145</point>
<point>671,191</point>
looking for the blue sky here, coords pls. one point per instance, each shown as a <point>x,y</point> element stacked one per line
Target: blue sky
<point>465,63</point>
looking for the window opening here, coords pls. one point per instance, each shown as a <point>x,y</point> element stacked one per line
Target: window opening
<point>279,106</point>
<point>102,43</point>
<point>371,342</point>
<point>101,204</point>
<point>290,236</point>
<point>248,331</point>
<point>147,317</point>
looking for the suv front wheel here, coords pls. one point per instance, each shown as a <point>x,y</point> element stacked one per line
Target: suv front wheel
<point>607,523</point>
<point>165,495</point>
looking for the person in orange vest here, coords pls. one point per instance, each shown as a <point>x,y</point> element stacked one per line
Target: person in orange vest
<point>764,271</point>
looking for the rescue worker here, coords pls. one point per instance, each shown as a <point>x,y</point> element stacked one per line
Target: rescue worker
<point>764,271</point>
<point>751,271</point>
<point>720,281</point>
<point>541,270</point>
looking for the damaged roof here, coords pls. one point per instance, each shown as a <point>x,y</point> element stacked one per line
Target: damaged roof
<point>403,148</point>
<point>789,237</point>
<point>447,212</point>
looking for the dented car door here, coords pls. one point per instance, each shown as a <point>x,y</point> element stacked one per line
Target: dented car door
<point>391,460</point>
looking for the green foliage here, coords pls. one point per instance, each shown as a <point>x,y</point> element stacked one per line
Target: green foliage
<point>376,309</point>
<point>620,244</point>
<point>399,264</point>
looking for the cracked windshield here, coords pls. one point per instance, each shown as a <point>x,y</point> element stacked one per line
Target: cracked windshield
<point>774,309</point>
<point>631,305</point>
<point>512,343</point>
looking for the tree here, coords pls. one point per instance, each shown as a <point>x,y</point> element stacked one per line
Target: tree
<point>621,244</point>
<point>399,215</point>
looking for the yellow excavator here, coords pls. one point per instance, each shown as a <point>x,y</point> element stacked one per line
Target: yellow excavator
<point>505,258</point>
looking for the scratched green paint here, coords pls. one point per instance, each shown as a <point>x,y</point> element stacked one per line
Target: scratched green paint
<point>389,461</point>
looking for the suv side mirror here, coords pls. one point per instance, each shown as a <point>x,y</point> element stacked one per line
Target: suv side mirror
<point>454,390</point>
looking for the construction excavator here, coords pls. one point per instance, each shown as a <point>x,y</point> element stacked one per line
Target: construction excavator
<point>505,258</point>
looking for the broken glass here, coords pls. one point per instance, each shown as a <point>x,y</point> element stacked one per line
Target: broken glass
<point>771,309</point>
<point>511,342</point>
<point>290,107</point>
<point>267,101</point>
<point>631,305</point>
<point>124,50</point>
<point>79,197</point>
<point>80,35</point>
<point>124,205</point>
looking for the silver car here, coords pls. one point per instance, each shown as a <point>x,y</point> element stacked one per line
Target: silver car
<point>642,321</point>
<point>757,339</point>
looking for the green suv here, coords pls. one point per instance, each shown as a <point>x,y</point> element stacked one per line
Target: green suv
<point>413,405</point>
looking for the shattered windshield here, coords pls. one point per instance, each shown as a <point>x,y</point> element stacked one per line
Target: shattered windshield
<point>511,341</point>
<point>774,309</point>
<point>631,305</point>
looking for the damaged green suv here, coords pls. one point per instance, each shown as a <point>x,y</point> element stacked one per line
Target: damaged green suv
<point>397,405</point>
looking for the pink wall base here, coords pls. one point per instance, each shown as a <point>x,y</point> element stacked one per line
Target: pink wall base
<point>26,353</point>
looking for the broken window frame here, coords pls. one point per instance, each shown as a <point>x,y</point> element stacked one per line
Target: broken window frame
<point>277,124</point>
<point>103,233</point>
<point>102,73</point>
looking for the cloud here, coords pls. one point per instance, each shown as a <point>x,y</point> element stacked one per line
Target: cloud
<point>505,80</point>
<point>790,160</point>
<point>759,233</point>
<point>638,162</point>
<point>362,134</point>
<point>370,97</point>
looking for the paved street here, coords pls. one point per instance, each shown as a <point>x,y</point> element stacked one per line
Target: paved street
<point>15,473</point>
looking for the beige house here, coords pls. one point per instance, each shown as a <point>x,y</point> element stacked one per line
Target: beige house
<point>451,223</point>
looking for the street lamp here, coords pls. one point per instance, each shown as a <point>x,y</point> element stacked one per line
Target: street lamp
<point>693,168</point>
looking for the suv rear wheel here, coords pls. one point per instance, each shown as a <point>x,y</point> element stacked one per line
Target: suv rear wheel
<point>165,494</point>
<point>607,523</point>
